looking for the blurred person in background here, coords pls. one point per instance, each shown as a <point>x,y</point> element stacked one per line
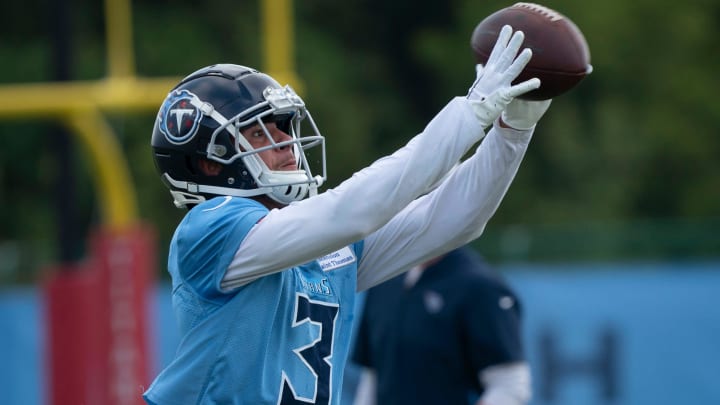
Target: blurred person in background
<point>264,279</point>
<point>446,332</point>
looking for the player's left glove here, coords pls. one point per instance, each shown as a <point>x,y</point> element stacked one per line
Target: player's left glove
<point>524,114</point>
<point>493,90</point>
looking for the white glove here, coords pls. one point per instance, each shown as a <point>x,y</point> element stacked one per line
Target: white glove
<point>524,114</point>
<point>492,90</point>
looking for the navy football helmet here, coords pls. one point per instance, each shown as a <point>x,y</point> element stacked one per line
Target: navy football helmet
<point>201,118</point>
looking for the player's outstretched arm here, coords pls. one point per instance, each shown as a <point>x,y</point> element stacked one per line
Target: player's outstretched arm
<point>362,204</point>
<point>347,213</point>
<point>453,214</point>
<point>462,204</point>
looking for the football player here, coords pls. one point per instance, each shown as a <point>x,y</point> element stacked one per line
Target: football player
<point>263,278</point>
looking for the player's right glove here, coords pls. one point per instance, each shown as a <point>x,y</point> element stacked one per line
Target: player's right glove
<point>492,90</point>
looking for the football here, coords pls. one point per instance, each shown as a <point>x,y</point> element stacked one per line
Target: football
<point>561,57</point>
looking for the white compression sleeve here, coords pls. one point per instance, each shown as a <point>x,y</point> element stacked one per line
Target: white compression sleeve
<point>451,215</point>
<point>366,389</point>
<point>360,205</point>
<point>506,384</point>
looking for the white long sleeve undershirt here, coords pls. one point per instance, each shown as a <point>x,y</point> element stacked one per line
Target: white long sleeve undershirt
<point>377,202</point>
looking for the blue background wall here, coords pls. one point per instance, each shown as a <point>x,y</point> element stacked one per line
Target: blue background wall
<point>626,334</point>
<point>630,335</point>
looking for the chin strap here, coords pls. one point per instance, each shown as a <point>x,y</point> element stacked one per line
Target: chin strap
<point>182,200</point>
<point>191,193</point>
<point>185,192</point>
<point>295,192</point>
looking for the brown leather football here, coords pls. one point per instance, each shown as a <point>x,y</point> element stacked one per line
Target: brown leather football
<point>561,57</point>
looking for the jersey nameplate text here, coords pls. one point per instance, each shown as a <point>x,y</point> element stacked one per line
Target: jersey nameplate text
<point>337,259</point>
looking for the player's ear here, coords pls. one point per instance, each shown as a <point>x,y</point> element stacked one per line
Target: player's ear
<point>209,168</point>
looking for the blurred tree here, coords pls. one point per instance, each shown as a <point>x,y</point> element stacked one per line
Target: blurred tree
<point>636,141</point>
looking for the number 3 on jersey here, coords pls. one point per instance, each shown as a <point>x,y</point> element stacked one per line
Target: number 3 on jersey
<point>316,354</point>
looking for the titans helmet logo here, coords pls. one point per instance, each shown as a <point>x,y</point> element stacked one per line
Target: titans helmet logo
<point>179,119</point>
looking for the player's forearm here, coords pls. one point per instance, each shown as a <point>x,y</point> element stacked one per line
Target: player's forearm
<point>362,204</point>
<point>468,199</point>
<point>391,183</point>
<point>452,215</point>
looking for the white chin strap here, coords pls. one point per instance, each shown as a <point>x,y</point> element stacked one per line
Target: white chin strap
<point>182,200</point>
<point>292,186</point>
<point>284,194</point>
<point>287,194</point>
<point>295,192</point>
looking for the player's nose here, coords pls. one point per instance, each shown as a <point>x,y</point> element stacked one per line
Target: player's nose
<point>280,136</point>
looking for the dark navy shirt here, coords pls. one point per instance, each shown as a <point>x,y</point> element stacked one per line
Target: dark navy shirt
<point>429,342</point>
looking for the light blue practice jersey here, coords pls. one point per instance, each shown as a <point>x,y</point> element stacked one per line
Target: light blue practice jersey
<point>281,339</point>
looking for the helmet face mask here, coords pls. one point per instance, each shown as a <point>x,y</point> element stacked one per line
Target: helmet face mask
<point>203,118</point>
